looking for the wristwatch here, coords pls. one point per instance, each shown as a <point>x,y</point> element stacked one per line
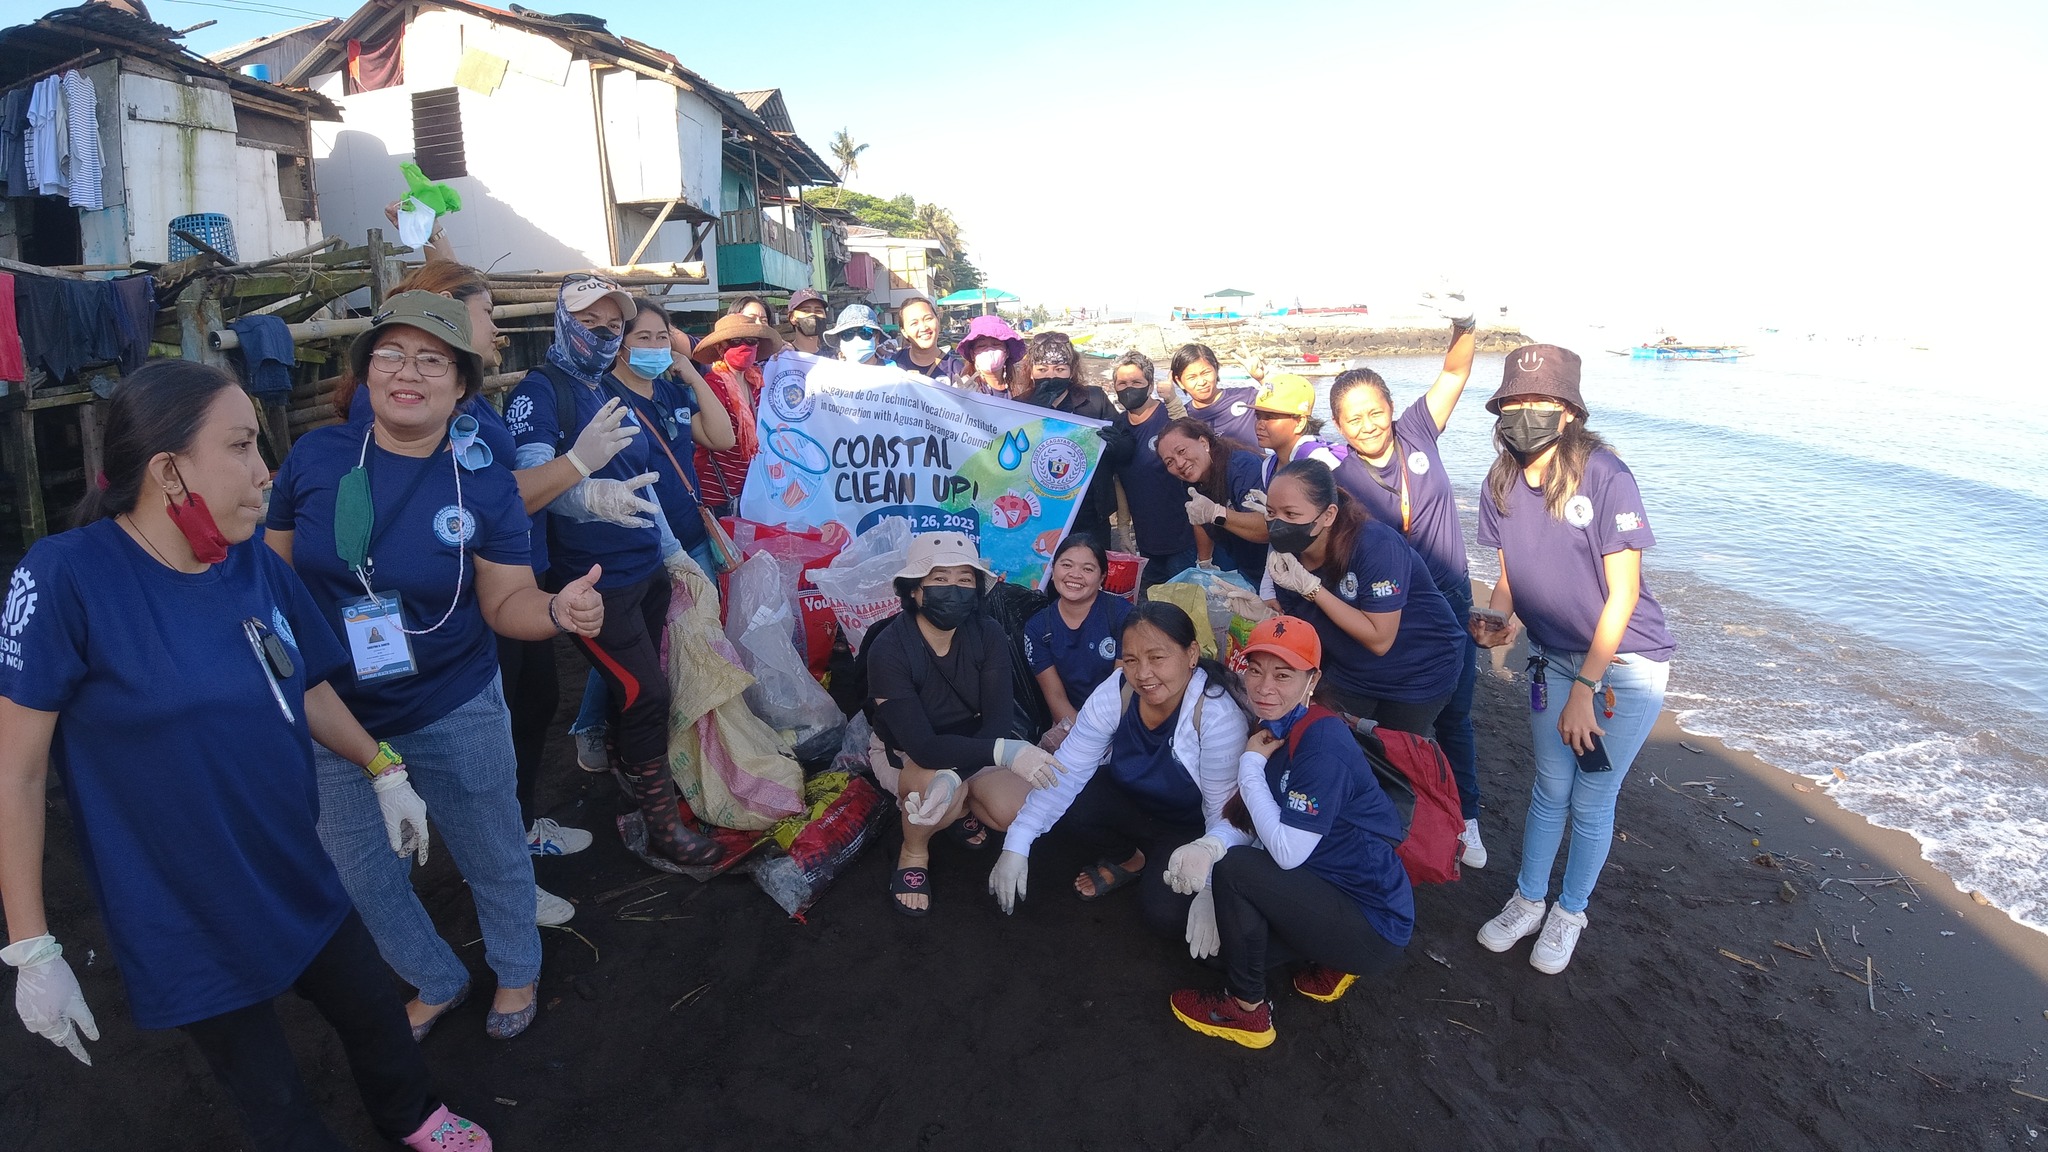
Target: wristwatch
<point>386,759</point>
<point>1222,518</point>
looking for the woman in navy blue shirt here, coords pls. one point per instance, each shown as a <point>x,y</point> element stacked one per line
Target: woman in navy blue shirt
<point>1071,644</point>
<point>1323,887</point>
<point>416,553</point>
<point>1224,497</point>
<point>184,736</point>
<point>1156,497</point>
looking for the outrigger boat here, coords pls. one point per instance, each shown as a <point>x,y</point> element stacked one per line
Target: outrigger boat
<point>1670,349</point>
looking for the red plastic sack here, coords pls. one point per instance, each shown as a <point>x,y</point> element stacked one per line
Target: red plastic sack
<point>825,847</point>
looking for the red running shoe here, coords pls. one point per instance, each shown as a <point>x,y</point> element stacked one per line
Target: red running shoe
<point>1325,984</point>
<point>1219,1014</point>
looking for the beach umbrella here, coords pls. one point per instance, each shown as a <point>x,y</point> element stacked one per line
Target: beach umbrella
<point>981,296</point>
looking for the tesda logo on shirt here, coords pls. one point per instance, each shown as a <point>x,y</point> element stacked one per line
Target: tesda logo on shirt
<point>282,627</point>
<point>21,601</point>
<point>1627,522</point>
<point>519,414</point>
<point>1578,511</point>
<point>455,525</point>
<point>1107,649</point>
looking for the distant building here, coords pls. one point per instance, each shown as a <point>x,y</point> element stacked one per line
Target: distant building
<point>273,57</point>
<point>892,269</point>
<point>572,148</point>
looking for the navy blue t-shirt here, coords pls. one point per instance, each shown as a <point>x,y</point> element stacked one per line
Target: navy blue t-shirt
<point>629,555</point>
<point>413,553</point>
<point>1556,568</point>
<point>1231,417</point>
<point>1142,764</point>
<point>1159,499</point>
<point>193,797</point>
<point>1234,552</point>
<point>491,430</point>
<point>1084,656</point>
<point>1386,575</point>
<point>670,415</point>
<point>1327,787</point>
<point>1432,527</point>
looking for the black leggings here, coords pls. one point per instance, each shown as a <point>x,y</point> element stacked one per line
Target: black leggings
<point>1105,820</point>
<point>1418,719</point>
<point>349,984</point>
<point>627,654</point>
<point>1269,917</point>
<point>533,690</point>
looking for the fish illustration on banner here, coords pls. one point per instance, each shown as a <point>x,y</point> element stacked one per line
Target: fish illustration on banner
<point>854,444</point>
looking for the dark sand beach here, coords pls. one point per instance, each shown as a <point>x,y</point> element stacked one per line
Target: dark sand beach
<point>1687,1019</point>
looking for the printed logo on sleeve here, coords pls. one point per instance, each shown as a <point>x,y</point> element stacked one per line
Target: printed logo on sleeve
<point>1348,587</point>
<point>1628,522</point>
<point>519,414</point>
<point>1303,803</point>
<point>1381,589</point>
<point>1418,462</point>
<point>1578,511</point>
<point>455,525</point>
<point>21,604</point>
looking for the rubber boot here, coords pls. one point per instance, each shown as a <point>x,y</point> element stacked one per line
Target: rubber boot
<point>654,790</point>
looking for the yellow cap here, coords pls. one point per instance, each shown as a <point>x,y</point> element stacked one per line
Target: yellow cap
<point>1287,393</point>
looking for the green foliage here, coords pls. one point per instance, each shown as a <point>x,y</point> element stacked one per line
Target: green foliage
<point>904,216</point>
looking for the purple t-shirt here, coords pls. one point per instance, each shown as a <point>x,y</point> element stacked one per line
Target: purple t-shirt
<point>1159,499</point>
<point>1555,567</point>
<point>1386,575</point>
<point>1433,528</point>
<point>1231,416</point>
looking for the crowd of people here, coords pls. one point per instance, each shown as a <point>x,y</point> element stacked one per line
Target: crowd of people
<point>378,643</point>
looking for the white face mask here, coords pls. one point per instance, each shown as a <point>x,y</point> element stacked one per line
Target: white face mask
<point>990,360</point>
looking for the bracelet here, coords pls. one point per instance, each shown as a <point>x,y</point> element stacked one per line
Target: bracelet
<point>1593,684</point>
<point>581,467</point>
<point>551,613</point>
<point>1314,588</point>
<point>386,759</point>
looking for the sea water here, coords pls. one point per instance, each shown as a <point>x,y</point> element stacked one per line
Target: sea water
<point>1852,546</point>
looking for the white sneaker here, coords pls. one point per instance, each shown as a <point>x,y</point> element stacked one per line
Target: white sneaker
<point>591,753</point>
<point>547,838</point>
<point>1475,849</point>
<point>1518,919</point>
<point>1560,935</point>
<point>550,909</point>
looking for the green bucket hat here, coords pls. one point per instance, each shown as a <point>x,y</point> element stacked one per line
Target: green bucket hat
<point>445,319</point>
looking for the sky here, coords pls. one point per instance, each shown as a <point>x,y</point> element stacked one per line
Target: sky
<point>1869,167</point>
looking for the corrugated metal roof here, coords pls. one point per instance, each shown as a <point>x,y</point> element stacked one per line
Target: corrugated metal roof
<point>230,57</point>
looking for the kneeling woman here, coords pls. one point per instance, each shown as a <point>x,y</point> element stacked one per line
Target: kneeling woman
<point>1323,888</point>
<point>1070,644</point>
<point>1224,495</point>
<point>1145,775</point>
<point>1391,642</point>
<point>945,711</point>
<point>415,552</point>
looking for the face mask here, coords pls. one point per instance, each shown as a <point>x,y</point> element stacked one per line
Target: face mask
<point>584,353</point>
<point>738,357</point>
<point>1289,537</point>
<point>1528,431</point>
<point>856,351</point>
<point>1134,398</point>
<point>1053,387</point>
<point>196,522</point>
<point>1284,724</point>
<point>647,363</point>
<point>809,325</point>
<point>948,606</point>
<point>990,360</point>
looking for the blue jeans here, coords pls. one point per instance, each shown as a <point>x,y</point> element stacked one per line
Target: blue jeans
<point>1454,723</point>
<point>462,766</point>
<point>590,717</point>
<point>1589,797</point>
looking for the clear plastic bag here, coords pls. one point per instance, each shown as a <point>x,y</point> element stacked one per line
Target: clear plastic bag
<point>1233,605</point>
<point>759,619</point>
<point>415,223</point>
<point>861,581</point>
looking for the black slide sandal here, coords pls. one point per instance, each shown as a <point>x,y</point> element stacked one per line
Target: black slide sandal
<point>910,882</point>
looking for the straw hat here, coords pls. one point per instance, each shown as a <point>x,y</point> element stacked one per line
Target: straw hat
<point>736,327</point>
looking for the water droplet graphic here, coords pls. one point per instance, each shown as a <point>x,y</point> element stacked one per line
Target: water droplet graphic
<point>1011,454</point>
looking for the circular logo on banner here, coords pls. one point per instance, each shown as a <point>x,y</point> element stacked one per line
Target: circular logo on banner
<point>21,602</point>
<point>1107,649</point>
<point>455,525</point>
<point>1240,408</point>
<point>282,627</point>
<point>788,396</point>
<point>1059,466</point>
<point>1418,463</point>
<point>1578,511</point>
<point>1348,587</point>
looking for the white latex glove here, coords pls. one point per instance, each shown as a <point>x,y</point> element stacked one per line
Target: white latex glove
<point>1187,870</point>
<point>1201,509</point>
<point>1452,306</point>
<point>47,996</point>
<point>1203,939</point>
<point>405,814</point>
<point>1056,736</point>
<point>604,436</point>
<point>1033,764</point>
<point>679,564</point>
<point>1255,501</point>
<point>1286,571</point>
<point>929,807</point>
<point>1006,881</point>
<point>614,502</point>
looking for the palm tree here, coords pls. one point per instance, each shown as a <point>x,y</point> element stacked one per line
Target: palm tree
<point>847,153</point>
<point>938,224</point>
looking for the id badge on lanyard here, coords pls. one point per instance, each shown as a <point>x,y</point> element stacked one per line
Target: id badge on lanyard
<point>375,628</point>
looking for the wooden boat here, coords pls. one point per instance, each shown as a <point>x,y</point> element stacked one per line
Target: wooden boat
<point>1675,351</point>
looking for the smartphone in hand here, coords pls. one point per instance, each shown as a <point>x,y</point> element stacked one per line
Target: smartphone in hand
<point>1595,758</point>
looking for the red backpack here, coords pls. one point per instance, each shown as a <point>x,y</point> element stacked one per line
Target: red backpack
<point>1430,851</point>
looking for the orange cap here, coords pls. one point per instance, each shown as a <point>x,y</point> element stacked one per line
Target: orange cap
<point>1291,638</point>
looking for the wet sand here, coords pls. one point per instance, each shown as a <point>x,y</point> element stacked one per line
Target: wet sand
<point>711,1021</point>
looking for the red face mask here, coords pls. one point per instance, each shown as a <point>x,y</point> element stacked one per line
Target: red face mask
<point>196,521</point>
<point>739,357</point>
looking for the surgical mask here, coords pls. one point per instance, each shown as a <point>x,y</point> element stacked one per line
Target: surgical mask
<point>808,325</point>
<point>1289,537</point>
<point>1528,431</point>
<point>1282,725</point>
<point>990,360</point>
<point>1134,398</point>
<point>948,606</point>
<point>738,357</point>
<point>648,363</point>
<point>856,350</point>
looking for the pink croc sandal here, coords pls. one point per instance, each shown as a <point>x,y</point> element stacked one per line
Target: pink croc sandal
<point>444,1131</point>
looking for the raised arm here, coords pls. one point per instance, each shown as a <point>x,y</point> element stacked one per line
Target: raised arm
<point>1457,370</point>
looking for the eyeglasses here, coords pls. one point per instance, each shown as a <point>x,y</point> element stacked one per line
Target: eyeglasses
<point>431,365</point>
<point>865,333</point>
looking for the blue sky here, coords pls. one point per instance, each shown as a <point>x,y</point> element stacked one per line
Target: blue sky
<point>1846,166</point>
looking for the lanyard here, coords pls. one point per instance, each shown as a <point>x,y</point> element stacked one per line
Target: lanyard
<point>461,546</point>
<point>377,530</point>
<point>1401,460</point>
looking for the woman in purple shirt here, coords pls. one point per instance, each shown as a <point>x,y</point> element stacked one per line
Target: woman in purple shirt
<point>1565,516</point>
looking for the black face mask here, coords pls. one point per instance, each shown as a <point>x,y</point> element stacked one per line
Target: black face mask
<point>1053,387</point>
<point>808,325</point>
<point>948,606</point>
<point>1528,431</point>
<point>1134,399</point>
<point>1289,537</point>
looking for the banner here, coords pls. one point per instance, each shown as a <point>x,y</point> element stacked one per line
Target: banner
<point>852,444</point>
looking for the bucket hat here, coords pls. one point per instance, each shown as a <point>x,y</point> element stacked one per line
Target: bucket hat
<point>438,316</point>
<point>931,550</point>
<point>1540,370</point>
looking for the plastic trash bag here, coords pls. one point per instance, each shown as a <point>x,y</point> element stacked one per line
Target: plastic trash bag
<point>1233,605</point>
<point>760,620</point>
<point>415,223</point>
<point>860,582</point>
<point>850,812</point>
